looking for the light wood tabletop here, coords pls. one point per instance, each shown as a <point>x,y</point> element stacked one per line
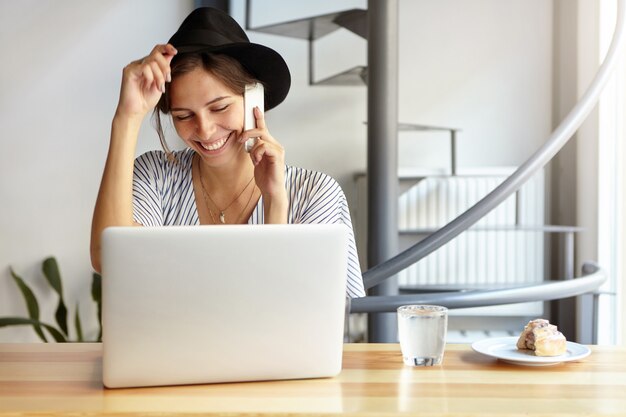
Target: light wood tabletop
<point>61,379</point>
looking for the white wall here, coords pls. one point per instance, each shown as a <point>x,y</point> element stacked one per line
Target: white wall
<point>62,65</point>
<point>483,66</point>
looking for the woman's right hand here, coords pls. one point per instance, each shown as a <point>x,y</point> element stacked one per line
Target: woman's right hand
<point>143,82</point>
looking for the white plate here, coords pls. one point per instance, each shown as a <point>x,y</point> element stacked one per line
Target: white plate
<point>505,349</point>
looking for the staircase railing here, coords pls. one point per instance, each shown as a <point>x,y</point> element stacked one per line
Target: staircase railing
<point>538,160</point>
<point>593,276</point>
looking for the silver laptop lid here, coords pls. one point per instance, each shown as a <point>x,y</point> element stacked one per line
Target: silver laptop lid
<point>200,304</point>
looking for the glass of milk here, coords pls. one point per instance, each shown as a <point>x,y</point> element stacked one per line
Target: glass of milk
<point>422,333</point>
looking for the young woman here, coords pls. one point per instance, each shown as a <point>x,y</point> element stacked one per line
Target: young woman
<point>199,78</point>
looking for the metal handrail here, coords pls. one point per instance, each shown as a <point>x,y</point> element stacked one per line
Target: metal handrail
<point>593,277</point>
<point>538,160</point>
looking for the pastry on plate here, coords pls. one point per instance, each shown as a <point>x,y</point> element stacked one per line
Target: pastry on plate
<point>543,338</point>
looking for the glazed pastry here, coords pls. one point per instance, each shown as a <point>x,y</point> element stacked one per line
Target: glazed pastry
<point>543,338</point>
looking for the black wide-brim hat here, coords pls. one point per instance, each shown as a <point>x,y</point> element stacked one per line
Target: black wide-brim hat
<point>207,29</point>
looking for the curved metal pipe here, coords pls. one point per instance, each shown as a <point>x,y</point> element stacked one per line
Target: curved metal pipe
<point>593,277</point>
<point>557,140</point>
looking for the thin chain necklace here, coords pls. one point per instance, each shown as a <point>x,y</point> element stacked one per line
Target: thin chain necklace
<point>240,218</point>
<point>206,194</point>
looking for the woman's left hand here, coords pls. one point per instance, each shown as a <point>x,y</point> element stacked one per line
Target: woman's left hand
<point>268,157</point>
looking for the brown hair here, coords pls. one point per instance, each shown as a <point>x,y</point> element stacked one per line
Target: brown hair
<point>225,68</point>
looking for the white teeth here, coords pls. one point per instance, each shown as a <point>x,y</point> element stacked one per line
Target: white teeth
<point>213,146</point>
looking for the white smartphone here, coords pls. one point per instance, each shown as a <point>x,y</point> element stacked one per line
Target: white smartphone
<point>252,97</point>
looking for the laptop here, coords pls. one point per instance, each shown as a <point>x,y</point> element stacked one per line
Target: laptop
<point>208,304</point>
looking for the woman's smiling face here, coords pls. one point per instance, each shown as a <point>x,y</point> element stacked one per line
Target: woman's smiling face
<point>207,115</point>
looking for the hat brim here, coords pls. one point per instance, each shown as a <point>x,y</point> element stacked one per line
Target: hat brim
<point>263,63</point>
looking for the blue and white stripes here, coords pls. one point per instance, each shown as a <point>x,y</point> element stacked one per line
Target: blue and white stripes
<point>163,196</point>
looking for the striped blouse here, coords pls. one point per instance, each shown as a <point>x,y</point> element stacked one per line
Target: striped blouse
<point>163,196</point>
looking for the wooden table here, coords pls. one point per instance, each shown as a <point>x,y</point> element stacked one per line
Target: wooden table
<point>59,379</point>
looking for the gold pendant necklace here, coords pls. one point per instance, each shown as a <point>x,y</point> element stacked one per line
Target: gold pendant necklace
<point>205,193</point>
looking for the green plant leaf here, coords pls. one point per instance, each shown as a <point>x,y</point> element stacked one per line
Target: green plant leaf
<point>31,303</point>
<point>96,294</point>
<point>51,272</point>
<point>23,321</point>
<point>79,327</point>
<point>61,317</point>
<point>96,287</point>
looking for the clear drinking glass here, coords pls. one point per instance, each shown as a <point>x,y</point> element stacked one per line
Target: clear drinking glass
<point>422,333</point>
